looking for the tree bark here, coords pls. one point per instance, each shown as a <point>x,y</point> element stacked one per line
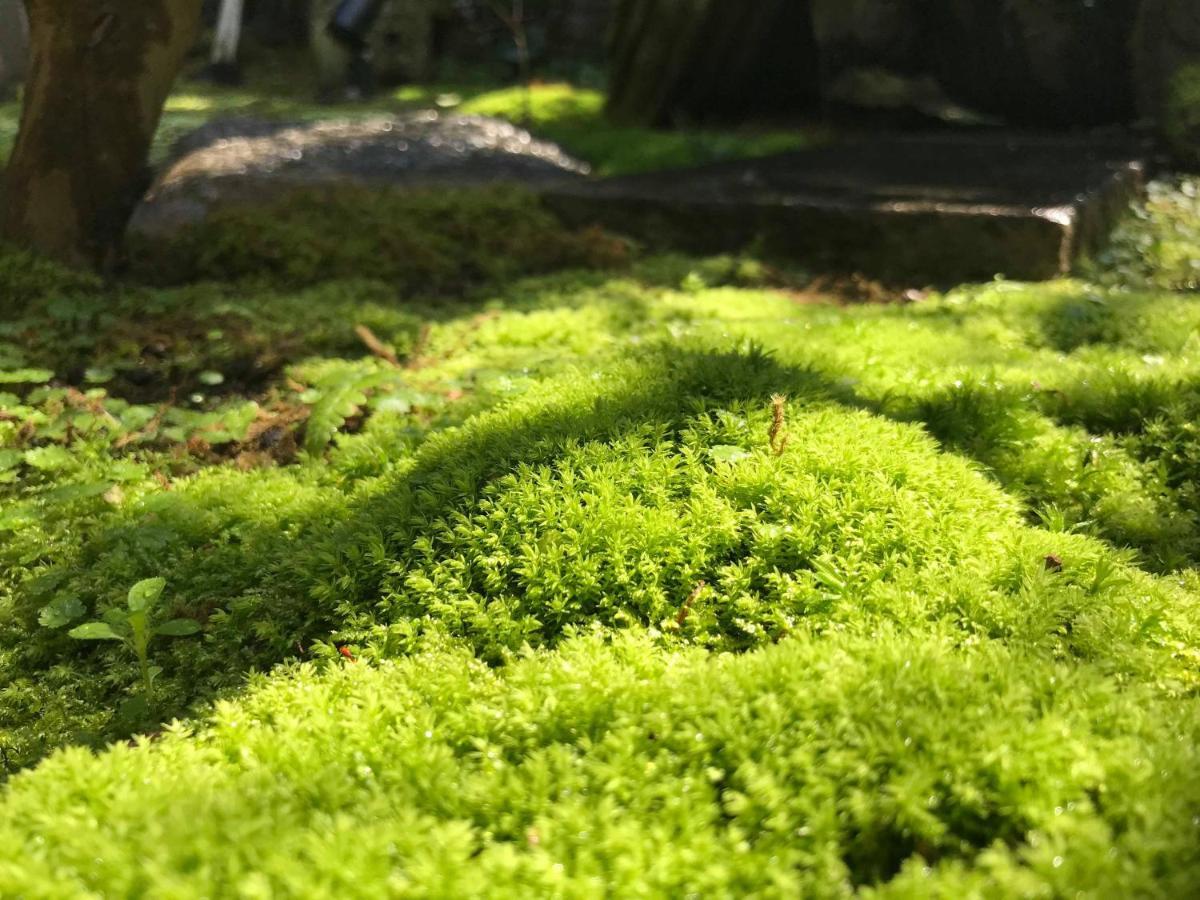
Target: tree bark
<point>693,61</point>
<point>99,75</point>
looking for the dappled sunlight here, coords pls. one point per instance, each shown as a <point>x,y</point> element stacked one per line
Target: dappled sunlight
<point>569,449</point>
<point>189,103</point>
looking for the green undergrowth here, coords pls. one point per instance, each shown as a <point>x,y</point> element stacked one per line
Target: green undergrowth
<point>577,571</point>
<point>1158,244</point>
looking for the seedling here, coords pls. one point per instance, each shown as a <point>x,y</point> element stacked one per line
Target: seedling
<point>133,627</point>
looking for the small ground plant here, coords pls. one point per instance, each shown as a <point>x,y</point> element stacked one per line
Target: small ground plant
<point>135,627</point>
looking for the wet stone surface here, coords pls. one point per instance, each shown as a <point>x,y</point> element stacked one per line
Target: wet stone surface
<point>243,158</point>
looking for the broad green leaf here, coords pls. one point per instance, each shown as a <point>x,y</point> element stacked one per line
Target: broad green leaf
<point>145,593</point>
<point>61,612</point>
<point>178,628</point>
<point>94,631</point>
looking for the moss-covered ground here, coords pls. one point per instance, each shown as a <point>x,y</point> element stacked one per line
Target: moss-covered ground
<point>526,564</point>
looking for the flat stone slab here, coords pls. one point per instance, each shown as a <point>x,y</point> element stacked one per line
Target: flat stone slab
<point>251,160</point>
<point>934,208</point>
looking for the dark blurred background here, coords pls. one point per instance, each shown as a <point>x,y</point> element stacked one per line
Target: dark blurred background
<point>1045,64</point>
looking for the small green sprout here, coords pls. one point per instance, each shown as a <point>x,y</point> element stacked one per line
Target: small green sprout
<point>133,627</point>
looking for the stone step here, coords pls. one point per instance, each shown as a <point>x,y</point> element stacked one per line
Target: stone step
<point>934,209</point>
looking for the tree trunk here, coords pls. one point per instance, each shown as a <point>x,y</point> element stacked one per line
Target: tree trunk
<point>693,61</point>
<point>99,75</point>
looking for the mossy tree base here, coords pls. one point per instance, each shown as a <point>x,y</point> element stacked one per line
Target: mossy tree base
<point>99,76</point>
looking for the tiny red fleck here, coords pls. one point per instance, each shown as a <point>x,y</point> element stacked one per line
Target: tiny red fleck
<point>345,651</point>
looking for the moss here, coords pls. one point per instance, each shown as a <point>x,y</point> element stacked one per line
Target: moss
<point>26,278</point>
<point>815,768</point>
<point>424,243</point>
<point>660,469</point>
<point>576,119</point>
<point>563,526</point>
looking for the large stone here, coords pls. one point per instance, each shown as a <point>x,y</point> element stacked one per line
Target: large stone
<point>240,160</point>
<point>14,45</point>
<point>935,209</point>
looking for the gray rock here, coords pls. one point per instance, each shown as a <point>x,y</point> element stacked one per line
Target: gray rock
<point>937,209</point>
<point>240,158</point>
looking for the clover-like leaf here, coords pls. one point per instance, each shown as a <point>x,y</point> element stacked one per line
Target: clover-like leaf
<point>61,612</point>
<point>145,593</point>
<point>26,376</point>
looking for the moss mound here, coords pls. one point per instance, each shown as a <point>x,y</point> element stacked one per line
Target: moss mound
<point>815,767</point>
